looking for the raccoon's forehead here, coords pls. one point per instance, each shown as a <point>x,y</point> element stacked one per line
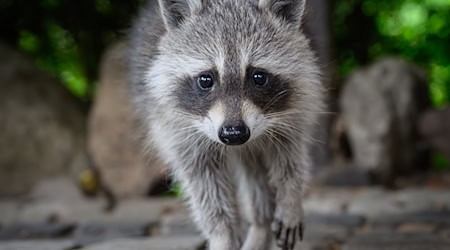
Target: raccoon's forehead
<point>230,36</point>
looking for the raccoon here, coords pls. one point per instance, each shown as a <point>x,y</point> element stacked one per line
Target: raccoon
<point>230,93</point>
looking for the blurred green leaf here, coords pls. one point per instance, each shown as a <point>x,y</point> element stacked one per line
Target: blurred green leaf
<point>176,190</point>
<point>440,162</point>
<point>28,42</point>
<point>67,38</point>
<point>418,30</point>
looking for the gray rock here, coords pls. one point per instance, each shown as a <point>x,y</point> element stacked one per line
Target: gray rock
<point>42,126</point>
<point>56,189</point>
<point>343,175</point>
<point>159,243</point>
<point>178,224</point>
<point>113,140</point>
<point>437,218</point>
<point>86,211</point>
<point>49,200</point>
<point>9,211</point>
<point>37,245</point>
<point>445,233</point>
<point>375,203</point>
<point>434,126</point>
<point>150,210</point>
<point>344,220</point>
<point>35,231</point>
<point>61,211</point>
<point>397,241</point>
<point>320,237</point>
<point>399,246</point>
<point>380,108</point>
<point>323,235</point>
<point>328,201</point>
<point>89,233</point>
<point>301,246</point>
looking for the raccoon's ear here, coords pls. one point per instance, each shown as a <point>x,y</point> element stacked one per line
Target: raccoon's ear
<point>174,12</point>
<point>290,10</point>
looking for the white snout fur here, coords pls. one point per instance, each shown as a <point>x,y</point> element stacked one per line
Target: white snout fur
<point>211,123</point>
<point>254,118</point>
<point>251,115</point>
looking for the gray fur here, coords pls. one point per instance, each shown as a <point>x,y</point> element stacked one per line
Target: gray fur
<point>170,46</point>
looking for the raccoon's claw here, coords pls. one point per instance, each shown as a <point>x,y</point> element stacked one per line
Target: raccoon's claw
<point>287,237</point>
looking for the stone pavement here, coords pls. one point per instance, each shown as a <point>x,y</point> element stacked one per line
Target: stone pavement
<point>56,217</point>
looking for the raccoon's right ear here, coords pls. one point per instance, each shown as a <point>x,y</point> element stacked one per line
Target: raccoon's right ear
<point>290,10</point>
<point>174,12</point>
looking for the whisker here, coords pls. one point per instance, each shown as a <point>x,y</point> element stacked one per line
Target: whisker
<point>291,128</point>
<point>276,98</point>
<point>294,112</point>
<point>275,140</point>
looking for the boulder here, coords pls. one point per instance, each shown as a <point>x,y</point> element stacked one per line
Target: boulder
<point>114,140</point>
<point>380,107</point>
<point>435,127</point>
<point>42,126</point>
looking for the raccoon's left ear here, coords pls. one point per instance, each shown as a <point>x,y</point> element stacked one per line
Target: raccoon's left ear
<point>290,10</point>
<point>174,12</point>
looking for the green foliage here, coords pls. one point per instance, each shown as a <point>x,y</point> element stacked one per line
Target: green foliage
<point>66,38</point>
<point>440,162</point>
<point>176,190</point>
<point>63,59</point>
<point>418,30</point>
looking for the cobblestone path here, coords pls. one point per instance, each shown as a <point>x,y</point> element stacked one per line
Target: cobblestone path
<point>56,217</point>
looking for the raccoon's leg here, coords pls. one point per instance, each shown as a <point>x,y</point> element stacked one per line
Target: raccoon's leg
<point>289,177</point>
<point>211,196</point>
<point>258,204</point>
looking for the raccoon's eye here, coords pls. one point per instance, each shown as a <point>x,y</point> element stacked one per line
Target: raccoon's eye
<point>260,78</point>
<point>205,81</point>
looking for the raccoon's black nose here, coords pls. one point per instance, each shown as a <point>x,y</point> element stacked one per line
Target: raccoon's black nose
<point>234,135</point>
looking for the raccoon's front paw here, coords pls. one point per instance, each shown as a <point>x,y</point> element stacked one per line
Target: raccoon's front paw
<point>287,235</point>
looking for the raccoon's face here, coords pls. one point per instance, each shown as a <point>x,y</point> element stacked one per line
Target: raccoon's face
<point>232,67</point>
<point>233,106</point>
